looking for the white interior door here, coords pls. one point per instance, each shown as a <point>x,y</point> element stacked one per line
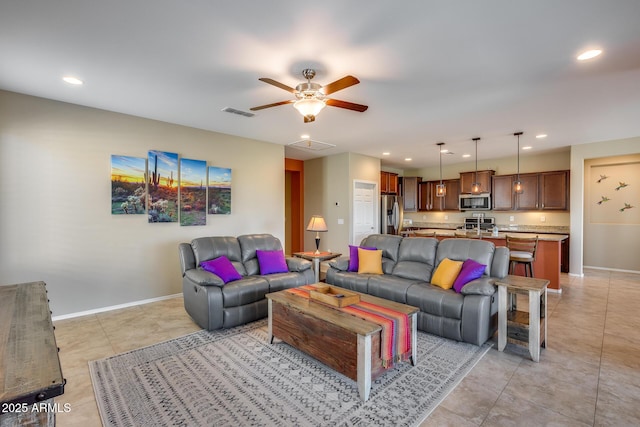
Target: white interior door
<point>365,210</point>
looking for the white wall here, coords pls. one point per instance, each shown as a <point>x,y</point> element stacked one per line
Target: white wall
<point>631,233</point>
<point>55,201</point>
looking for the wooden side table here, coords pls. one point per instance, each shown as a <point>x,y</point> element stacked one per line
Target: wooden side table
<point>519,327</point>
<point>317,259</point>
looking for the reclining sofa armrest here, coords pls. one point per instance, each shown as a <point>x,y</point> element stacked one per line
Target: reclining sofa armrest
<point>341,263</point>
<point>298,264</point>
<point>187,258</point>
<point>204,278</point>
<point>482,286</point>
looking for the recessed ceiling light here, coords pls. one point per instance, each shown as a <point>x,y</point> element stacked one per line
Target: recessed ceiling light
<point>72,80</point>
<point>527,147</point>
<point>542,135</point>
<point>444,151</point>
<point>589,54</point>
<point>408,159</point>
<point>304,136</point>
<point>386,153</point>
<point>466,155</point>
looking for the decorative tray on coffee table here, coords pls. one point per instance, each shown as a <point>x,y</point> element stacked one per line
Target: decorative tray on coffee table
<point>333,296</point>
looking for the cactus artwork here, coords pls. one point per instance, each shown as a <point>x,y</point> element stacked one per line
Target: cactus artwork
<point>193,196</point>
<point>127,185</point>
<point>219,189</point>
<point>162,199</point>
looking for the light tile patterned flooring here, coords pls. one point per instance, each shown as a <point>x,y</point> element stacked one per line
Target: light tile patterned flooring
<point>588,376</point>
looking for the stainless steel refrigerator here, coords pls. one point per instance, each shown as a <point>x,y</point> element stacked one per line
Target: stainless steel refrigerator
<point>392,214</point>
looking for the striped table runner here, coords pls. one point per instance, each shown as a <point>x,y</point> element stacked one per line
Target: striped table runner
<point>396,334</point>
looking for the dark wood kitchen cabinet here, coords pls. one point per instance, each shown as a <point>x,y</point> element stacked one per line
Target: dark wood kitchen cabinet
<point>468,178</point>
<point>426,195</point>
<point>502,192</point>
<point>528,199</point>
<point>554,190</point>
<point>410,193</point>
<point>388,183</point>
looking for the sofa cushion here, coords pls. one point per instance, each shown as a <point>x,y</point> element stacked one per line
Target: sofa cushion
<point>471,270</point>
<point>389,287</point>
<point>353,256</point>
<point>462,249</point>
<point>446,273</point>
<point>245,291</point>
<point>271,262</point>
<point>369,262</point>
<point>416,256</point>
<point>389,245</point>
<point>250,243</point>
<point>221,267</point>
<point>298,264</point>
<point>435,300</point>
<point>349,280</point>
<point>206,248</point>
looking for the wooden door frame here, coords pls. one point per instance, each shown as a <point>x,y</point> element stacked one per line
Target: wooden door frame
<point>296,168</point>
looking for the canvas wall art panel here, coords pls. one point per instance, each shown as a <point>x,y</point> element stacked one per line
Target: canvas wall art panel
<point>162,177</point>
<point>193,192</point>
<point>128,185</point>
<point>219,190</point>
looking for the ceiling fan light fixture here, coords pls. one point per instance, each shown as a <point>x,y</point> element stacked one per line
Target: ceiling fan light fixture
<point>309,107</point>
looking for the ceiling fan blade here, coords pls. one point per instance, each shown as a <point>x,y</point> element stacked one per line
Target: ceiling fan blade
<point>277,84</point>
<point>348,105</point>
<point>275,104</point>
<point>343,83</point>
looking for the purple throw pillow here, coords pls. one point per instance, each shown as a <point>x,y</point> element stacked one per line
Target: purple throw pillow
<point>353,256</point>
<point>222,268</point>
<point>271,262</point>
<point>471,270</point>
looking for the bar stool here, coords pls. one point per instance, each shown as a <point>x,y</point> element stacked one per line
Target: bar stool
<point>522,250</point>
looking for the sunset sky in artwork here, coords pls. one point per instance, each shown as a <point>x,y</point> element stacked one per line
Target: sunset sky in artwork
<point>193,173</point>
<point>219,177</point>
<point>128,169</point>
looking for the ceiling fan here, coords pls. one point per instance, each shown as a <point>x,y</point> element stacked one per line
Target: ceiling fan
<point>311,98</point>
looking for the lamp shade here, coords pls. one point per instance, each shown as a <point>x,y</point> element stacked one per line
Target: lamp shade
<point>317,223</point>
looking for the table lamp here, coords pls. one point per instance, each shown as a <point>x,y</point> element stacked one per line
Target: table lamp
<point>317,224</point>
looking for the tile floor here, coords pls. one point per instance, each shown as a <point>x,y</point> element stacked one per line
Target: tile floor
<point>588,376</point>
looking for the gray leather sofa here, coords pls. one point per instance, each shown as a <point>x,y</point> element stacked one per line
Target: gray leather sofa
<point>408,265</point>
<point>211,303</point>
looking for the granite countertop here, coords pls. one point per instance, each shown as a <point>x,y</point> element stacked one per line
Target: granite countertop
<point>488,235</point>
<point>538,229</point>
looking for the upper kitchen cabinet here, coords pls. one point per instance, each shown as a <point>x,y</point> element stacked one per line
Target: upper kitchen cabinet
<point>468,178</point>
<point>528,199</point>
<point>541,191</point>
<point>554,190</point>
<point>410,193</point>
<point>388,183</point>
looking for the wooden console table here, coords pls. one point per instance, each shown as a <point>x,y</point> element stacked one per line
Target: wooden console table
<point>30,373</point>
<point>519,327</point>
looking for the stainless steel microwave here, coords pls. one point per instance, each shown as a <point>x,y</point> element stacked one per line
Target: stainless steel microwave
<point>475,202</point>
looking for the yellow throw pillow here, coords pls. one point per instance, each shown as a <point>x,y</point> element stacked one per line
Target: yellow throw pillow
<point>446,273</point>
<point>369,261</point>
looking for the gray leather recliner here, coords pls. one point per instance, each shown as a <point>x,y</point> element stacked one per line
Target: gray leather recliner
<point>211,303</point>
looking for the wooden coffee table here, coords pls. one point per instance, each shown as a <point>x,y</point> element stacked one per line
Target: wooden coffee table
<point>343,342</point>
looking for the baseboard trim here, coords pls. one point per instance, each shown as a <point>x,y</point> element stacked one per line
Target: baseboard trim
<point>113,307</point>
<point>617,270</point>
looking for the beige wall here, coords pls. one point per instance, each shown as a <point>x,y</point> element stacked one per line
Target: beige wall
<point>329,192</point>
<point>607,246</point>
<point>55,218</point>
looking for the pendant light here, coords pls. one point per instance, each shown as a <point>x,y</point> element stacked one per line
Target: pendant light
<point>441,189</point>
<point>476,187</point>
<point>517,184</point>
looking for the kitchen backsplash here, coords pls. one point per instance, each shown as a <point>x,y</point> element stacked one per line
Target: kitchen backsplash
<point>541,220</point>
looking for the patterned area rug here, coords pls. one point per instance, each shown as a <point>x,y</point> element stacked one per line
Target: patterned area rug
<point>234,378</point>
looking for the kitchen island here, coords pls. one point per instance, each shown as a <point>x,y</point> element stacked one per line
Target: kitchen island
<point>548,256</point>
